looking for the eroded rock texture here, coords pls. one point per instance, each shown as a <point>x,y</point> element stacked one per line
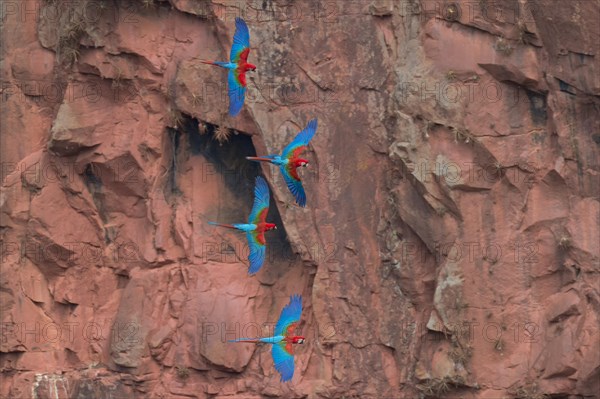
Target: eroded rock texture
<point>450,243</point>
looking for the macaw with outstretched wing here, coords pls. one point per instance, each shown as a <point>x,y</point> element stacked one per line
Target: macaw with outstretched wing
<point>238,66</point>
<point>256,226</point>
<point>289,161</point>
<point>284,338</point>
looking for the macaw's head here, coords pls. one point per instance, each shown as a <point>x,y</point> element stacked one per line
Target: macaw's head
<point>298,340</point>
<point>251,67</point>
<point>301,163</point>
<point>270,226</point>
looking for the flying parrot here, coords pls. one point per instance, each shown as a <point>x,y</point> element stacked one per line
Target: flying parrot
<point>237,66</point>
<point>290,160</point>
<point>256,226</point>
<point>284,338</point>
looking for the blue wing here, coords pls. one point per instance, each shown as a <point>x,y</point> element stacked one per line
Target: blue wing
<point>257,252</point>
<point>283,361</point>
<point>300,141</point>
<point>261,201</point>
<point>290,315</point>
<point>236,91</point>
<point>241,40</point>
<point>294,184</point>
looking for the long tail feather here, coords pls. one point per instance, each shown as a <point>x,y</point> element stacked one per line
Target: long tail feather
<point>216,63</point>
<point>259,159</point>
<point>244,340</point>
<point>229,226</point>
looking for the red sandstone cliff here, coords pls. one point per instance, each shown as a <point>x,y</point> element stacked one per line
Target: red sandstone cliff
<point>450,246</point>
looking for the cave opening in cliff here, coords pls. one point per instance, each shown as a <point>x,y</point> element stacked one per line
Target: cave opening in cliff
<point>225,151</point>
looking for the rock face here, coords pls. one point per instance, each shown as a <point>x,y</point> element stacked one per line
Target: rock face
<point>450,246</point>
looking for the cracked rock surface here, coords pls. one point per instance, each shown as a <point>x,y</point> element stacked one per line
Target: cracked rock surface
<point>450,246</point>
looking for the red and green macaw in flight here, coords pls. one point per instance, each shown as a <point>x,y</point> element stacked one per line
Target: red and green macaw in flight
<point>256,226</point>
<point>284,338</point>
<point>290,160</point>
<point>237,66</point>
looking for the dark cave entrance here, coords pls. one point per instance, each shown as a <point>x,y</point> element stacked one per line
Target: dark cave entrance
<point>226,157</point>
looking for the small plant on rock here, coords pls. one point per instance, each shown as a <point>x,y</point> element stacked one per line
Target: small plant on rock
<point>182,372</point>
<point>176,118</point>
<point>528,391</point>
<point>462,135</point>
<point>202,128</point>
<point>564,242</point>
<point>438,387</point>
<point>222,134</point>
<point>71,55</point>
<point>503,46</point>
<point>147,4</point>
<point>196,100</point>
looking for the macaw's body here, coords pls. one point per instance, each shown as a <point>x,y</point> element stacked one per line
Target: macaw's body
<point>256,227</point>
<point>284,339</point>
<point>238,66</point>
<point>289,161</point>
